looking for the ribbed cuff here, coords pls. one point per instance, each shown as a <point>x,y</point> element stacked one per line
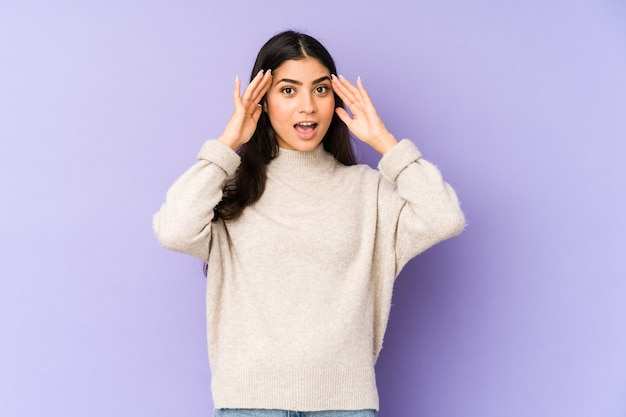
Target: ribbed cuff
<point>221,155</point>
<point>398,158</point>
<point>308,389</point>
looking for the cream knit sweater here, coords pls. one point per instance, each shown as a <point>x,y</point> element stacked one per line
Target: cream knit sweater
<point>299,286</point>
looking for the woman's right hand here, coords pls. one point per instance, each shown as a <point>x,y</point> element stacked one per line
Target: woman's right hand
<point>243,121</point>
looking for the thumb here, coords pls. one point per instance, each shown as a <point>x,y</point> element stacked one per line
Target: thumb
<point>343,115</point>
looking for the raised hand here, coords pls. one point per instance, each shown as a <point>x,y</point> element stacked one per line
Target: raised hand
<point>365,123</point>
<point>243,121</point>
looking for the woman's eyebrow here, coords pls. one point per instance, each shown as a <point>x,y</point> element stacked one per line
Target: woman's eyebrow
<point>324,78</point>
<point>290,81</point>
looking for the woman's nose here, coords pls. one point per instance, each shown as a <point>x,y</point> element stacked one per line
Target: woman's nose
<point>308,104</point>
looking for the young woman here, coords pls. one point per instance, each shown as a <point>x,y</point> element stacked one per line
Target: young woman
<point>302,246</point>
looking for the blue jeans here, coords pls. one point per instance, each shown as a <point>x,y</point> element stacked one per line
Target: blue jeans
<point>226,412</point>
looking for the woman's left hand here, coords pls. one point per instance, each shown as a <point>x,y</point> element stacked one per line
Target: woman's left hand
<point>365,123</point>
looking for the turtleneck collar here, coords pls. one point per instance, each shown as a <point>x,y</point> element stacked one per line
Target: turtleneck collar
<point>312,164</point>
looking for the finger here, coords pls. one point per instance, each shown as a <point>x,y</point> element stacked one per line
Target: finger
<point>363,98</point>
<point>364,94</point>
<point>350,90</point>
<point>368,104</point>
<point>258,87</point>
<point>237,89</point>
<point>262,87</point>
<point>254,114</point>
<point>344,116</point>
<point>247,93</point>
<point>341,90</point>
<point>349,94</point>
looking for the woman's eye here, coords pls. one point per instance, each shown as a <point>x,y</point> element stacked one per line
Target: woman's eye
<point>322,89</point>
<point>288,90</point>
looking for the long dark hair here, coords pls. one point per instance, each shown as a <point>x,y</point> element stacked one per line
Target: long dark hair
<point>248,183</point>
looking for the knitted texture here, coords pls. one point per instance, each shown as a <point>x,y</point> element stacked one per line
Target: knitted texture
<point>300,285</point>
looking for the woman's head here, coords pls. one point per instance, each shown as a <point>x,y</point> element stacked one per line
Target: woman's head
<point>291,56</point>
<point>299,57</point>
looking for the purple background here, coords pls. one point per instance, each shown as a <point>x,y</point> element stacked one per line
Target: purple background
<point>521,104</point>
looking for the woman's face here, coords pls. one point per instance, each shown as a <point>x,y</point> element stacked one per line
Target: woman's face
<point>300,103</point>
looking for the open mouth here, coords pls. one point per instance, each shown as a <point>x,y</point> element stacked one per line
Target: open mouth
<point>306,130</point>
<point>305,126</point>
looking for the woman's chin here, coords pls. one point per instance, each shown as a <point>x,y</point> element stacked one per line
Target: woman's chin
<point>300,144</point>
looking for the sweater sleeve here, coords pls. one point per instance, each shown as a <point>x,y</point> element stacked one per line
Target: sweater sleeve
<point>418,207</point>
<point>183,223</point>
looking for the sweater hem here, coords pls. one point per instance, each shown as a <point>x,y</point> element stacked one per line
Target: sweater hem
<point>302,389</point>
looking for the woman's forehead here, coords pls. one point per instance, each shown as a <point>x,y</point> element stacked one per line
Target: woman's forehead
<point>305,70</point>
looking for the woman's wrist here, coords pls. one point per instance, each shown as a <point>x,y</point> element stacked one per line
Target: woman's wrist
<point>384,143</point>
<point>232,144</point>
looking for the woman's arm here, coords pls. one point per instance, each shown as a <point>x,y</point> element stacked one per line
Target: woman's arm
<point>416,205</point>
<point>183,223</point>
<point>417,208</point>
